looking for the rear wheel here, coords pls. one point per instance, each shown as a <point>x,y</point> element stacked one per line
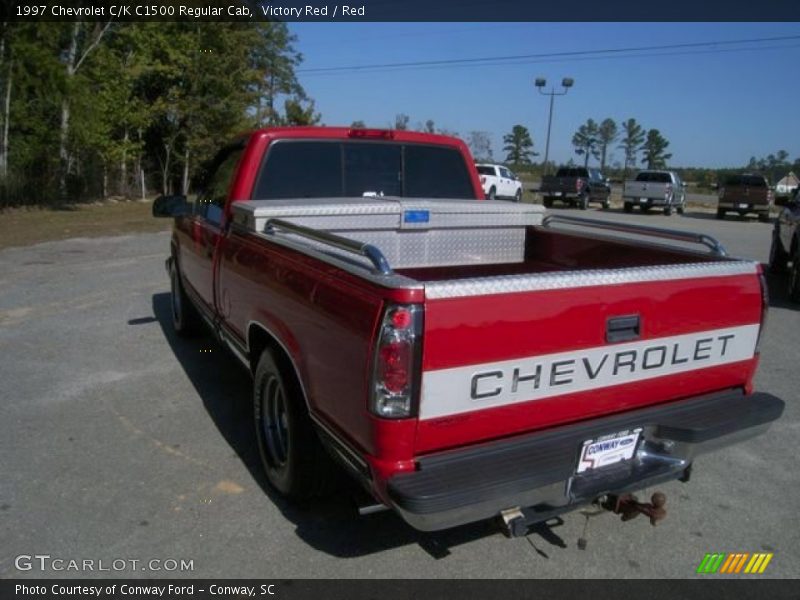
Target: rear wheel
<point>606,204</point>
<point>547,202</point>
<point>628,207</point>
<point>185,319</point>
<point>668,210</point>
<point>294,460</point>
<point>720,213</point>
<point>492,194</point>
<point>778,257</point>
<point>583,202</point>
<point>518,196</point>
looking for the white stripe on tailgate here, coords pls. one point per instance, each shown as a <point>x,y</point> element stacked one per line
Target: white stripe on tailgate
<point>476,387</point>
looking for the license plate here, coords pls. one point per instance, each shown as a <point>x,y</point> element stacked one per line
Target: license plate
<point>557,194</point>
<point>642,200</point>
<point>608,450</point>
<point>744,205</point>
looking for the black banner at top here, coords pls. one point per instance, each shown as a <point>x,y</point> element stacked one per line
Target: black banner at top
<point>405,10</point>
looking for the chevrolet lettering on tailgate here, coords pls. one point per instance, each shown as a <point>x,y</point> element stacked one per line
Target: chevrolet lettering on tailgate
<point>537,377</point>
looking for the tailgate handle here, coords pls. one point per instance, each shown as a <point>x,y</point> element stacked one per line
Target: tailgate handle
<point>623,329</point>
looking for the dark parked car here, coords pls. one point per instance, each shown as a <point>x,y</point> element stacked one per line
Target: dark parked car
<point>785,250</point>
<point>575,186</point>
<point>745,194</point>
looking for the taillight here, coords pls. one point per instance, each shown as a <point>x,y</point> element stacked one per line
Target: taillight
<point>395,381</point>
<point>764,307</point>
<point>483,179</point>
<point>579,184</point>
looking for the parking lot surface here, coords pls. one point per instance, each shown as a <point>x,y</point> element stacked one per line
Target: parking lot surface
<point>120,441</point>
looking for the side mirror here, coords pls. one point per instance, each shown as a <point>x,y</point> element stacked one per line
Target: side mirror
<point>170,206</point>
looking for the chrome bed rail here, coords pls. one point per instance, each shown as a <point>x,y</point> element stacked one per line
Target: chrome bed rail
<point>644,230</point>
<point>368,251</point>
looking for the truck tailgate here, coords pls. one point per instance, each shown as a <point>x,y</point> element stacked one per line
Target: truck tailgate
<point>504,356</point>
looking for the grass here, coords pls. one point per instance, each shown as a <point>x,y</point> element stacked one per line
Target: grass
<point>26,226</point>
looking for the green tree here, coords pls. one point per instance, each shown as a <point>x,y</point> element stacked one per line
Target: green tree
<point>654,148</point>
<point>518,146</point>
<point>607,134</point>
<point>480,145</point>
<point>274,58</point>
<point>429,126</point>
<point>401,121</point>
<point>632,140</point>
<point>358,125</point>
<point>586,141</point>
<point>300,112</point>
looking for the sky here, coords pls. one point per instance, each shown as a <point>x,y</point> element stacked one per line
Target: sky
<point>717,106</point>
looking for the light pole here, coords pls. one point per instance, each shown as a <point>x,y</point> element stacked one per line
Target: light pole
<point>540,83</point>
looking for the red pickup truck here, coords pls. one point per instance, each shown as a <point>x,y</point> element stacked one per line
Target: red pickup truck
<point>461,358</point>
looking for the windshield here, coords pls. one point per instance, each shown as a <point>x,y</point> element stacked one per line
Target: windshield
<point>747,181</point>
<point>330,169</point>
<point>571,172</point>
<point>653,177</point>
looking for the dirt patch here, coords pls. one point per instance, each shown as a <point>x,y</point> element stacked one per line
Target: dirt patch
<point>26,226</point>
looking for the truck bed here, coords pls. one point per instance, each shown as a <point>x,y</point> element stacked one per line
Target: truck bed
<point>543,292</point>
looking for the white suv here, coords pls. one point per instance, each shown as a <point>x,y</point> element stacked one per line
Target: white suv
<point>499,182</point>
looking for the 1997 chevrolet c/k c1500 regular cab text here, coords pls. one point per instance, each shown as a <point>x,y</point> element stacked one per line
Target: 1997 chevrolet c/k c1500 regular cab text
<point>461,358</point>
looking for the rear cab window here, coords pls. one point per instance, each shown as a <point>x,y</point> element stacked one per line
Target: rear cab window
<point>484,170</point>
<point>756,181</point>
<point>331,169</point>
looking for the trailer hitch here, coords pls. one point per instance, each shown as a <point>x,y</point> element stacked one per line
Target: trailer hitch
<point>629,507</point>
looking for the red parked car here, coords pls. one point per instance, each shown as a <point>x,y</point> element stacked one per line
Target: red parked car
<point>460,358</point>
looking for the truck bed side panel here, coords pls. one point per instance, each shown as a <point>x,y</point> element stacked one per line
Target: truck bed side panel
<point>326,322</point>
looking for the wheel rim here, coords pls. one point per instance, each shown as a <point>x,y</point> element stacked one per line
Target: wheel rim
<point>274,422</point>
<point>177,308</point>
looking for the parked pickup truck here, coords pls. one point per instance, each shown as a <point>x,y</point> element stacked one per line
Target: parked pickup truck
<point>461,358</point>
<point>575,186</point>
<point>651,189</point>
<point>745,194</point>
<point>498,182</point>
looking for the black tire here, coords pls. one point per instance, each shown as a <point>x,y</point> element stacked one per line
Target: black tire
<point>606,204</point>
<point>720,213</point>
<point>547,202</point>
<point>628,207</point>
<point>668,210</point>
<point>583,202</point>
<point>294,460</point>
<point>185,320</point>
<point>778,257</point>
<point>681,208</point>
<point>794,276</point>
<point>492,194</point>
<point>518,196</point>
